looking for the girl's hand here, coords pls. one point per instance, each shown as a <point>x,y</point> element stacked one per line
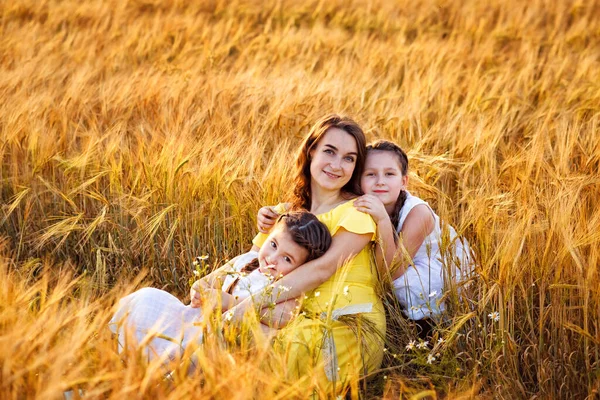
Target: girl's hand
<point>266,219</point>
<point>196,292</point>
<point>371,205</point>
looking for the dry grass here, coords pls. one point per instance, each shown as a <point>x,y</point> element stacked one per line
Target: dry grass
<point>135,135</point>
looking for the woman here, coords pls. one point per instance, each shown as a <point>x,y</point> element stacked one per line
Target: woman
<point>338,336</point>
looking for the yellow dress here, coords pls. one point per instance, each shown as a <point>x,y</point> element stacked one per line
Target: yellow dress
<point>339,334</point>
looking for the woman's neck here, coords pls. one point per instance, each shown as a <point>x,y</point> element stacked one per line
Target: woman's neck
<point>322,201</point>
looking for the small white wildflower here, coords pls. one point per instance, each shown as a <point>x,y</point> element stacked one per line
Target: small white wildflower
<point>346,290</point>
<point>196,273</point>
<point>285,288</point>
<point>433,294</point>
<point>494,316</point>
<point>423,345</point>
<point>203,257</point>
<point>228,316</point>
<point>441,340</point>
<point>317,294</point>
<point>411,345</point>
<point>430,358</point>
<point>195,263</point>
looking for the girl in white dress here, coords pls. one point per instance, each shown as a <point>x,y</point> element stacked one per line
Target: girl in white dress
<point>171,326</point>
<point>418,284</point>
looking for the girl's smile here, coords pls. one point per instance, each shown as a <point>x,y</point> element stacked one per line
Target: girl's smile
<point>280,254</point>
<point>383,177</point>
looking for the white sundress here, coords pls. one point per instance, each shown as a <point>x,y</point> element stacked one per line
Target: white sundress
<point>421,287</point>
<point>171,326</point>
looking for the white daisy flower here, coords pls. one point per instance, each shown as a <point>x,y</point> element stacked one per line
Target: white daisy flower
<point>411,345</point>
<point>433,294</point>
<point>430,358</point>
<point>423,345</point>
<point>494,316</point>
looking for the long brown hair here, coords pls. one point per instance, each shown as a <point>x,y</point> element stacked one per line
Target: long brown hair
<point>301,198</point>
<point>384,145</point>
<point>305,230</point>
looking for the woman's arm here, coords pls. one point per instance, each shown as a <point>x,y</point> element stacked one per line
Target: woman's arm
<point>309,276</point>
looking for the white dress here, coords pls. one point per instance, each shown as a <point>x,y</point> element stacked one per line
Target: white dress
<point>169,324</point>
<point>421,287</point>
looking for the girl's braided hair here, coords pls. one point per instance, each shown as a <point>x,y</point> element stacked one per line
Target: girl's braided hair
<point>305,230</point>
<point>384,145</point>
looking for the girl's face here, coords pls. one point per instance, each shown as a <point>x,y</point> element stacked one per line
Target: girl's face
<point>383,177</point>
<point>279,255</point>
<point>333,160</point>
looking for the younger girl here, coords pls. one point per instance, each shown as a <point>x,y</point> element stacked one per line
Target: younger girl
<point>296,238</point>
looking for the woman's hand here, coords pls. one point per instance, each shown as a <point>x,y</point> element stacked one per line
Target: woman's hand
<point>371,205</point>
<point>266,218</point>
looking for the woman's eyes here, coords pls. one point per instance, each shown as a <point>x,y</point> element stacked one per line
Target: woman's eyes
<point>328,151</point>
<point>390,174</point>
<point>349,159</point>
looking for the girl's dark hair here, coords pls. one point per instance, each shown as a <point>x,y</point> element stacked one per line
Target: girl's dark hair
<point>384,145</point>
<point>301,197</point>
<point>305,230</point>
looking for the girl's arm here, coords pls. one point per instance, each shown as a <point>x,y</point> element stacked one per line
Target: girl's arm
<point>210,281</point>
<point>418,225</point>
<point>344,246</point>
<point>387,245</point>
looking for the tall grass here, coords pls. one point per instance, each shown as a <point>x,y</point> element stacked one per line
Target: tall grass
<point>136,135</point>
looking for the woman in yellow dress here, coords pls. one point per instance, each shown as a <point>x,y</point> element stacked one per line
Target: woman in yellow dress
<point>338,335</point>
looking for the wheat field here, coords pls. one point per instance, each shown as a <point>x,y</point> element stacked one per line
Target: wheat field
<point>136,135</point>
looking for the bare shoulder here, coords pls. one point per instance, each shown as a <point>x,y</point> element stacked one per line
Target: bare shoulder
<point>420,215</point>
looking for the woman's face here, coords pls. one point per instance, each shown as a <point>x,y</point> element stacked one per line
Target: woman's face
<point>333,160</point>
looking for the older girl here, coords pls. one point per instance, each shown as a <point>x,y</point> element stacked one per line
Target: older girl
<point>419,281</point>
